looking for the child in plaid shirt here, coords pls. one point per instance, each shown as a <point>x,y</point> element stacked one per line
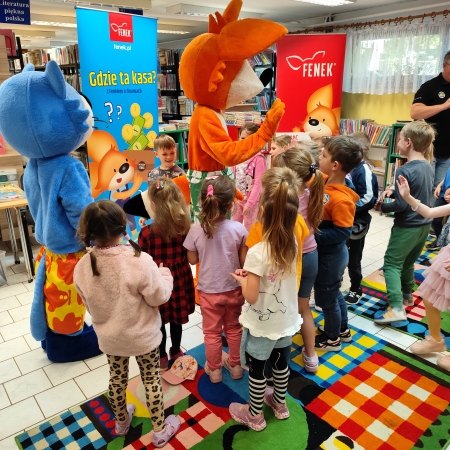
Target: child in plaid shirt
<point>163,240</point>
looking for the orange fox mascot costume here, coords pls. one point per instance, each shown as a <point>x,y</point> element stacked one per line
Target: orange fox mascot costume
<point>215,73</point>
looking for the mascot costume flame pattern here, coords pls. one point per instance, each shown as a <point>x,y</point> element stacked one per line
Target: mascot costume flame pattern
<point>44,118</point>
<point>215,73</point>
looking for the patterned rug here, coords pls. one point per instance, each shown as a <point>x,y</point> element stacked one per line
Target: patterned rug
<point>374,299</point>
<point>371,395</point>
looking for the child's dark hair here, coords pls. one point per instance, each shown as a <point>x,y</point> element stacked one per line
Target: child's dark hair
<point>302,162</point>
<point>278,214</point>
<point>345,150</point>
<point>216,197</point>
<point>251,127</point>
<point>102,222</point>
<point>172,216</point>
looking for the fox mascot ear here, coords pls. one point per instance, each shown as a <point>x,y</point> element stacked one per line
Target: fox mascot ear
<point>323,96</point>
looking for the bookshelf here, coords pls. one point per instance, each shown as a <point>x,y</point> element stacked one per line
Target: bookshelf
<point>174,104</point>
<point>260,62</point>
<point>394,160</point>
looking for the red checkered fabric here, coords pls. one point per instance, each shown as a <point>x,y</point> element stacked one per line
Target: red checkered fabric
<point>174,256</point>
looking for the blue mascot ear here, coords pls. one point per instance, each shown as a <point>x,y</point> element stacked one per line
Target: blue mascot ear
<point>28,68</point>
<point>56,79</point>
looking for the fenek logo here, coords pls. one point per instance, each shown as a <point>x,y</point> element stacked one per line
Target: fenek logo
<point>120,27</point>
<point>314,68</point>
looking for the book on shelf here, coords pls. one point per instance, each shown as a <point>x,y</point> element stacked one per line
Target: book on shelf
<point>186,106</point>
<point>350,126</point>
<point>239,118</point>
<point>392,169</point>
<point>378,134</point>
<point>62,56</point>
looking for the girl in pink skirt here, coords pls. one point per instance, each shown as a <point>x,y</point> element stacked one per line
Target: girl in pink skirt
<point>435,290</point>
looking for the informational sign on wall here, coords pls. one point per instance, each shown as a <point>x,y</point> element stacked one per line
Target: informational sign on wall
<point>310,69</point>
<point>118,64</point>
<point>15,12</point>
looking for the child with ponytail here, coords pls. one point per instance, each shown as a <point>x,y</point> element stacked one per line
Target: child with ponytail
<point>269,284</point>
<point>218,245</point>
<point>163,240</point>
<point>310,195</point>
<point>122,289</point>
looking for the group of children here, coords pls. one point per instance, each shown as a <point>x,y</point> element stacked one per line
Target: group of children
<point>255,278</point>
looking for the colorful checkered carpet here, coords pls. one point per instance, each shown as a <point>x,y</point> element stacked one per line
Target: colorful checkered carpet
<point>371,395</point>
<point>375,299</point>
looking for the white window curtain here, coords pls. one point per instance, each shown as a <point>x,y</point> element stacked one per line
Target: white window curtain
<point>394,58</point>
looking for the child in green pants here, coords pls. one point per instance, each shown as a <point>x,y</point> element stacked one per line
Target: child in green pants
<point>410,230</point>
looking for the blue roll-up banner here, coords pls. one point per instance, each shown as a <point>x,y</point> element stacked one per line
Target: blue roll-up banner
<point>118,65</point>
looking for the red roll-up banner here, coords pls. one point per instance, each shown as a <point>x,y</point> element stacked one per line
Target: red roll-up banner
<point>310,68</point>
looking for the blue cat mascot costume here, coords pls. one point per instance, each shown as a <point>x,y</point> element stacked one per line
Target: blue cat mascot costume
<point>44,118</point>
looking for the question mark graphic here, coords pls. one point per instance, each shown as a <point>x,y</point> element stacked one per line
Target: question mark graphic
<point>119,113</point>
<point>154,76</point>
<point>110,109</point>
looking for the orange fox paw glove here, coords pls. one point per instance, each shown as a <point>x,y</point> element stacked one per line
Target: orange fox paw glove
<point>183,183</point>
<point>273,118</point>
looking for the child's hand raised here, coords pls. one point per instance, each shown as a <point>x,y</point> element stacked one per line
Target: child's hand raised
<point>403,186</point>
<point>142,221</point>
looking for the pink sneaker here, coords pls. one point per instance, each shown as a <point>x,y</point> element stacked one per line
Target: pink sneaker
<point>123,428</point>
<point>235,371</point>
<point>280,410</point>
<point>163,363</point>
<point>177,355</point>
<point>428,345</point>
<point>161,438</point>
<point>311,362</point>
<point>214,375</point>
<point>241,413</point>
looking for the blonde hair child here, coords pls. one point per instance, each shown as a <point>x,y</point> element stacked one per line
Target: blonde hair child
<point>218,245</point>
<point>410,230</point>
<point>280,144</point>
<point>310,195</point>
<point>124,312</point>
<point>163,240</point>
<point>269,284</point>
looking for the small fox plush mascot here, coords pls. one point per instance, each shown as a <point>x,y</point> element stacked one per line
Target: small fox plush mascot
<point>215,73</point>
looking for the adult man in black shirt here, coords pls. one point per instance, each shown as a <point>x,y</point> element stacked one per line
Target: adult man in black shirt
<point>432,103</point>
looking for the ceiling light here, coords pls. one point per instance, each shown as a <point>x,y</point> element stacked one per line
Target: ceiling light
<point>328,2</point>
<point>173,32</point>
<point>202,11</point>
<point>136,4</point>
<point>27,33</point>
<point>53,24</point>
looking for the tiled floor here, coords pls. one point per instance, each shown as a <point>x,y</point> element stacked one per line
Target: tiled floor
<point>33,389</point>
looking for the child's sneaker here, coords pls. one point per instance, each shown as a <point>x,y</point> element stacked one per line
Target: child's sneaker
<point>353,296</point>
<point>345,335</point>
<point>123,428</point>
<point>236,371</point>
<point>311,362</point>
<point>390,315</point>
<point>241,413</point>
<point>176,356</point>
<point>214,375</point>
<point>280,410</point>
<point>318,308</point>
<point>428,345</point>
<point>327,345</point>
<point>171,426</point>
<point>444,362</point>
<point>408,300</point>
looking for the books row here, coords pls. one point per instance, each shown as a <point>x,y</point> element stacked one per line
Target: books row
<point>74,81</point>
<point>167,82</point>
<point>169,105</point>
<point>238,118</point>
<point>350,126</point>
<point>169,57</point>
<point>261,59</point>
<point>392,168</point>
<point>378,134</point>
<point>186,106</point>
<point>263,101</point>
<point>62,55</point>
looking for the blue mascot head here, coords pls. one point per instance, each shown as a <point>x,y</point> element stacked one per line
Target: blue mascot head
<point>42,116</point>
